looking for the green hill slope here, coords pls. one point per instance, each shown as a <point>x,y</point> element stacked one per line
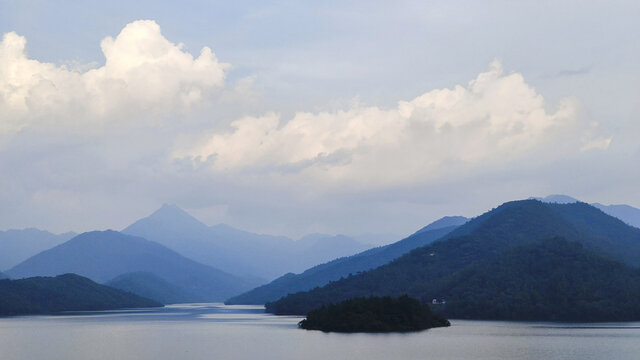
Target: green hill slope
<point>551,280</point>
<point>68,292</point>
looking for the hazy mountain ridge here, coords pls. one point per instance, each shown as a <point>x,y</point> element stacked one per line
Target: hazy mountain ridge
<point>626,213</point>
<point>423,271</point>
<point>447,221</point>
<point>237,251</point>
<point>104,255</point>
<point>322,274</point>
<point>68,292</point>
<point>18,245</point>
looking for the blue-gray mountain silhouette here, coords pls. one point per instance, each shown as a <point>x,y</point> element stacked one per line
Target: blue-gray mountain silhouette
<point>104,255</point>
<point>322,274</point>
<point>236,251</point>
<point>17,246</point>
<point>626,213</point>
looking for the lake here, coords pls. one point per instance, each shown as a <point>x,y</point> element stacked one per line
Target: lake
<point>215,331</point>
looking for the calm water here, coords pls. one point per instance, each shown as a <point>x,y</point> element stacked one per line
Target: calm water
<point>214,331</point>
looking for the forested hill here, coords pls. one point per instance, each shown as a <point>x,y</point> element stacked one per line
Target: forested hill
<point>2,276</point>
<point>424,270</point>
<point>69,292</point>
<point>526,220</point>
<point>601,232</point>
<point>551,280</point>
<point>334,270</point>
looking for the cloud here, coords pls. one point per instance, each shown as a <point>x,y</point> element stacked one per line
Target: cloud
<point>143,71</point>
<point>101,144</point>
<point>495,118</point>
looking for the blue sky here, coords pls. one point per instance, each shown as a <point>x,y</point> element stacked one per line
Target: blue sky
<point>338,117</point>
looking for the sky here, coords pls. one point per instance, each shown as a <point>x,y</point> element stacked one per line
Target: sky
<point>295,117</point>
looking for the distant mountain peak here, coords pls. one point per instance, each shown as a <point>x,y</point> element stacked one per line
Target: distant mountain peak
<point>169,214</point>
<point>171,210</point>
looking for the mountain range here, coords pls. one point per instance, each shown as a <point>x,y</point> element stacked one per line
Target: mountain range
<point>512,234</point>
<point>236,251</point>
<point>494,266</point>
<point>104,255</point>
<point>18,245</point>
<point>322,274</point>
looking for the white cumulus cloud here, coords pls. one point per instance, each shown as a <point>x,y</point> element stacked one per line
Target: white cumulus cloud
<point>143,71</point>
<point>496,117</point>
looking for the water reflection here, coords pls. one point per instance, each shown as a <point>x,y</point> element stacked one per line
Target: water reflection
<point>215,331</point>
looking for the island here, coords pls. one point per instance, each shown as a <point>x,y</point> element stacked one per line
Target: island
<point>373,315</point>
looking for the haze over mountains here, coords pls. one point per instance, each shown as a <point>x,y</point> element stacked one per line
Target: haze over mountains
<point>18,245</point>
<point>236,251</point>
<point>322,274</point>
<point>435,270</point>
<point>152,270</point>
<point>105,255</point>
<point>165,260</point>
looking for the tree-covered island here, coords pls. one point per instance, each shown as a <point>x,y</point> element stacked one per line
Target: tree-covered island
<point>373,314</point>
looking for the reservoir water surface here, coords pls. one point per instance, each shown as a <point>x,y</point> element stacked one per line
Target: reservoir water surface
<point>216,331</point>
